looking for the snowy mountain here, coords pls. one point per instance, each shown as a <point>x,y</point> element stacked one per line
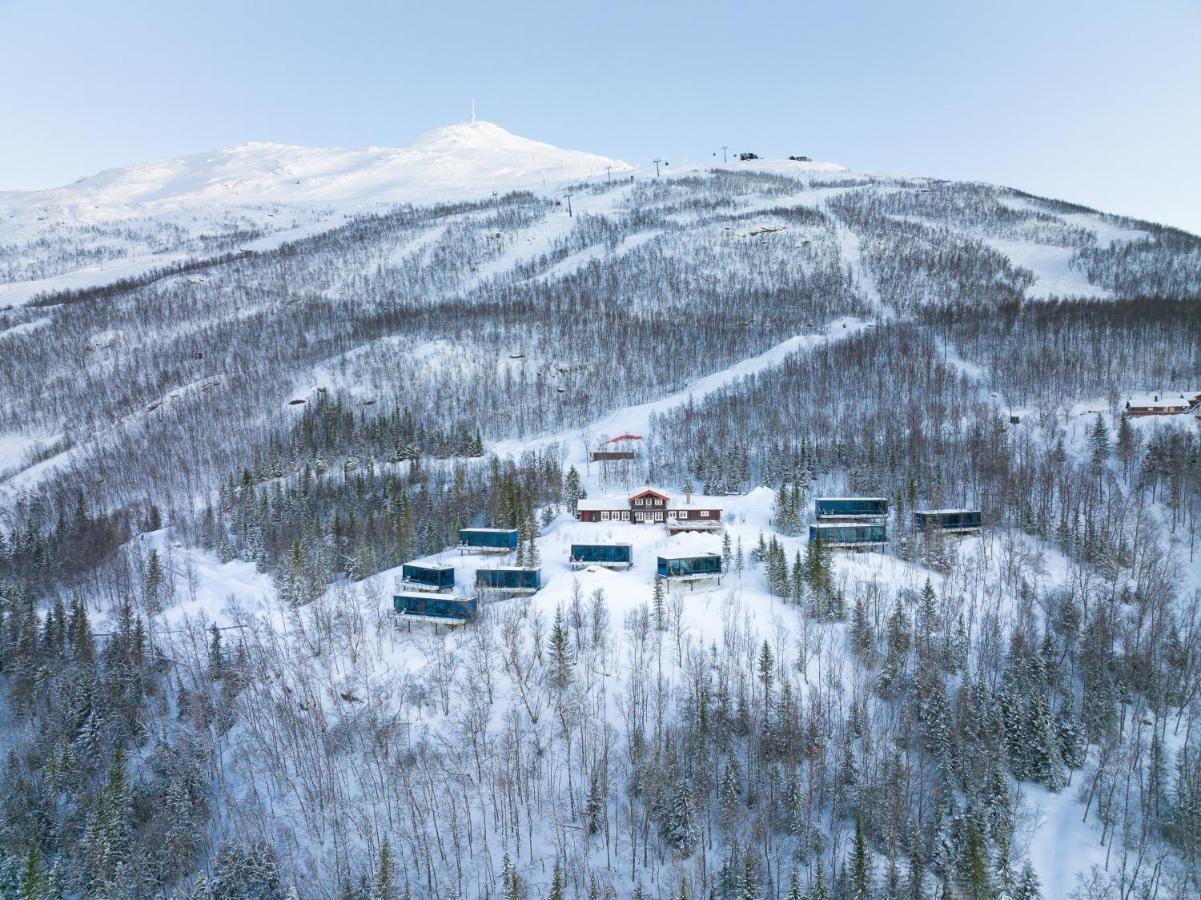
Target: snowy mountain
<point>122,221</point>
<point>238,391</point>
<point>445,164</point>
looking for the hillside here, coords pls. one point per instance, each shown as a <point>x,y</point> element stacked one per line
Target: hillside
<point>122,221</point>
<point>239,390</point>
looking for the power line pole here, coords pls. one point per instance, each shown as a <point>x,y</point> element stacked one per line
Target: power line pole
<point>659,162</point>
<point>724,150</point>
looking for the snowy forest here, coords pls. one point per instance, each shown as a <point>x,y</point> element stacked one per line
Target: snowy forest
<point>203,693</point>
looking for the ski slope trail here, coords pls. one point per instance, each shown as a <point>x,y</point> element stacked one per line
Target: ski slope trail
<point>636,419</point>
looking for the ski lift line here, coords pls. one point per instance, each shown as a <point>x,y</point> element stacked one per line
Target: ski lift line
<point>623,437</point>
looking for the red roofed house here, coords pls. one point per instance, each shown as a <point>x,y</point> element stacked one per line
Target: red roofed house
<point>655,507</point>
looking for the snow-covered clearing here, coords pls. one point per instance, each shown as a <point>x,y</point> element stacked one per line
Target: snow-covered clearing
<point>1054,274</point>
<point>636,419</point>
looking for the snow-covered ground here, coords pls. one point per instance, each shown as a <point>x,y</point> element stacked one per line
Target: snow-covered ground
<point>1054,274</point>
<point>636,419</point>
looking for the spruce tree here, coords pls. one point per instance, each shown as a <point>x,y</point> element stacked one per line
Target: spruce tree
<point>153,591</point>
<point>1028,887</point>
<point>33,877</point>
<point>558,887</point>
<point>750,879</point>
<point>385,884</point>
<point>560,651</point>
<point>766,667</point>
<point>658,605</point>
<point>510,883</point>
<point>862,880</point>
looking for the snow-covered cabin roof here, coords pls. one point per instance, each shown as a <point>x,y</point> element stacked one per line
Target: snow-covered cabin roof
<point>599,504</point>
<point>595,504</point>
<point>698,501</point>
<point>494,530</point>
<point>1164,400</point>
<point>943,512</point>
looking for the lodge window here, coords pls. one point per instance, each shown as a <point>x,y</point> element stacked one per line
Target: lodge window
<point>704,513</point>
<point>604,517</point>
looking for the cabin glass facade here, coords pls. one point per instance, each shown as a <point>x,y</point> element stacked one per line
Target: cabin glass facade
<point>949,519</point>
<point>435,606</point>
<point>684,566</point>
<point>438,577</point>
<point>875,533</point>
<point>833,507</point>
<point>614,554</point>
<point>489,538</point>
<point>509,579</point>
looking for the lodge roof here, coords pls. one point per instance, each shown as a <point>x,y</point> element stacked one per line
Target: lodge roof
<point>1163,400</point>
<point>600,504</point>
<point>650,490</point>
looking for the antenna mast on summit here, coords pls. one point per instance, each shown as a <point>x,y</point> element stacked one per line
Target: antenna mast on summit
<point>473,110</point>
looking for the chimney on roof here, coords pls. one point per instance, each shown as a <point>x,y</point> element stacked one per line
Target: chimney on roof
<point>688,495</point>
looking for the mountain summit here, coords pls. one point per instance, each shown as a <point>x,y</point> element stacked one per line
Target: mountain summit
<point>447,163</point>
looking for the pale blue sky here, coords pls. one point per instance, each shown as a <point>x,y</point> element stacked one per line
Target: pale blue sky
<point>1097,102</point>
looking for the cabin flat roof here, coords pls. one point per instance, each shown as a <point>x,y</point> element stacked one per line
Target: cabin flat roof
<point>496,530</point>
<point>831,525</point>
<point>596,544</point>
<point>432,566</point>
<point>828,499</point>
<point>944,511</point>
<point>511,569</point>
<point>690,555</point>
<point>429,595</point>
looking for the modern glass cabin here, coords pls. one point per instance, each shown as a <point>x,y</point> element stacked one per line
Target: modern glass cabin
<point>426,578</point>
<point>434,607</point>
<point>488,540</point>
<point>874,534</point>
<point>613,556</point>
<point>953,520</point>
<point>683,568</point>
<point>509,579</point>
<point>850,508</point>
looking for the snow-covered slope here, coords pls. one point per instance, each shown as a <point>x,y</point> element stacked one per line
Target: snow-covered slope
<point>450,162</point>
<point>121,222</point>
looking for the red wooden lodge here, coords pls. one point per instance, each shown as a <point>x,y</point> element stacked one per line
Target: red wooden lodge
<point>653,507</point>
